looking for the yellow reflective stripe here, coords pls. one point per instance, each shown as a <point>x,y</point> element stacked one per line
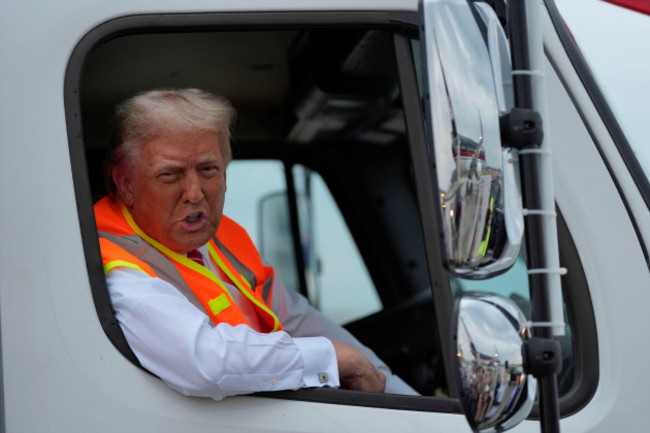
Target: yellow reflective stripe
<point>484,244</point>
<point>121,263</point>
<point>224,268</point>
<point>217,259</point>
<point>246,281</point>
<point>218,304</point>
<point>172,254</point>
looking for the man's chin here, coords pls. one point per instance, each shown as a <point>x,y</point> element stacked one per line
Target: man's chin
<point>192,241</point>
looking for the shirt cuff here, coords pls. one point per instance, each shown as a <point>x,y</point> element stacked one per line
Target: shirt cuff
<point>320,368</point>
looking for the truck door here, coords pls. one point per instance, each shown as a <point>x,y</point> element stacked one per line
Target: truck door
<point>336,95</point>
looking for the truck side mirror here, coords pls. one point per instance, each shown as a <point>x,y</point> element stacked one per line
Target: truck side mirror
<point>468,87</point>
<point>276,242</point>
<point>275,236</point>
<point>489,333</point>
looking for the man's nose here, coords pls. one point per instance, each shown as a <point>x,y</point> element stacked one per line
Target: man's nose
<point>193,190</point>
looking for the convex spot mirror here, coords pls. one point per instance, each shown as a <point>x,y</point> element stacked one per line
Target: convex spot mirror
<point>468,85</point>
<point>488,334</point>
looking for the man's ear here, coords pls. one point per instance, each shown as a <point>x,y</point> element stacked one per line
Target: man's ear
<point>123,183</point>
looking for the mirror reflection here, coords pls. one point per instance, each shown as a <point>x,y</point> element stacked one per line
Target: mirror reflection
<point>495,392</point>
<point>466,96</point>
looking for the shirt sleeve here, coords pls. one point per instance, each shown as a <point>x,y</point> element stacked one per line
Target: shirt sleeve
<point>301,320</point>
<point>177,342</point>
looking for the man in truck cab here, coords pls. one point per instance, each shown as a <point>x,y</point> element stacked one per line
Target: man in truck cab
<point>197,304</point>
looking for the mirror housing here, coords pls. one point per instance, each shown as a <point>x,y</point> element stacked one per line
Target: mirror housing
<point>489,336</point>
<point>468,87</point>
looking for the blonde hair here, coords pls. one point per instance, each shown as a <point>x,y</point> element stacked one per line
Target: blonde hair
<point>156,112</point>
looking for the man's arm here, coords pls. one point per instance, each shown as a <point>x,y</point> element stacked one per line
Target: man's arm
<point>178,343</point>
<point>300,319</point>
<point>356,371</point>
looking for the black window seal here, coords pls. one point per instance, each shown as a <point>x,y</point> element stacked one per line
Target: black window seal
<point>429,216</point>
<point>582,320</point>
<point>370,399</point>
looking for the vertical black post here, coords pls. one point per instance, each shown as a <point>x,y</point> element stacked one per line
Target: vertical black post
<point>531,197</point>
<point>294,219</point>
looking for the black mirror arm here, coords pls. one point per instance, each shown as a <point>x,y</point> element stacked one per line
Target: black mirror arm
<point>521,128</point>
<point>522,59</point>
<point>541,357</point>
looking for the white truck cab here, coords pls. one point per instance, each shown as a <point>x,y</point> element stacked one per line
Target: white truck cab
<point>337,174</point>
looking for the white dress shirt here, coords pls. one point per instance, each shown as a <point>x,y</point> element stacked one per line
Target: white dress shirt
<point>179,343</point>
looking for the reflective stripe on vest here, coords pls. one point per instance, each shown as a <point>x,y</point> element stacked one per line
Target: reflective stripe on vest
<point>247,274</point>
<point>244,286</point>
<point>135,249</point>
<point>133,252</point>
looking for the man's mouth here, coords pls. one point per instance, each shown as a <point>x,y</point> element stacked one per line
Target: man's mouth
<point>192,218</point>
<point>194,221</point>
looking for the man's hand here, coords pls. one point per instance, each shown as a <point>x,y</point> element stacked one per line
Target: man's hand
<point>356,371</point>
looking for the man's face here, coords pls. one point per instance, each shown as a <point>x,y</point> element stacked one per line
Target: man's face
<point>175,189</point>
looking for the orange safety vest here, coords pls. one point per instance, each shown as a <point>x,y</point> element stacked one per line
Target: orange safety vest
<point>124,244</point>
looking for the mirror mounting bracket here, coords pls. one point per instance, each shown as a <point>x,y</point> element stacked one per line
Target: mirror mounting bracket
<point>541,357</point>
<point>521,128</point>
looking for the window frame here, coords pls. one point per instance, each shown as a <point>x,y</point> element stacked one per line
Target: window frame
<point>395,21</point>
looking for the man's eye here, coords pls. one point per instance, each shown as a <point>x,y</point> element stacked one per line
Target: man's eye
<point>209,169</point>
<point>168,175</point>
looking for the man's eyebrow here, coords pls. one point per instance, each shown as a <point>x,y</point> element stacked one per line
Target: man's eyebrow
<point>207,159</point>
<point>166,165</point>
<point>170,164</point>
